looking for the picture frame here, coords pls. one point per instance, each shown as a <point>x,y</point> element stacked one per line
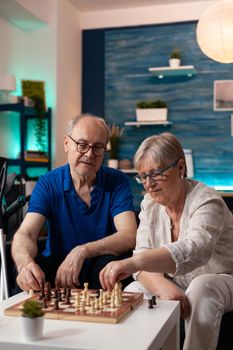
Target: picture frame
<point>35,90</point>
<point>223,95</point>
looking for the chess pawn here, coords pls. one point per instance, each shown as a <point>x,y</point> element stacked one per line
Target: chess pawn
<point>85,286</point>
<point>64,292</point>
<point>116,287</point>
<point>150,304</point>
<point>77,300</point>
<point>154,300</point>
<point>92,308</point>
<point>56,304</point>
<point>85,292</point>
<point>42,288</point>
<point>88,300</point>
<point>117,301</point>
<point>45,303</point>
<point>68,299</point>
<point>120,295</point>
<point>104,300</point>
<point>101,303</point>
<point>112,303</point>
<point>101,293</point>
<point>82,307</point>
<point>68,292</point>
<point>96,304</point>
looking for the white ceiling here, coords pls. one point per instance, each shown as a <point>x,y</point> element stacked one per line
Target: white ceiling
<point>98,5</point>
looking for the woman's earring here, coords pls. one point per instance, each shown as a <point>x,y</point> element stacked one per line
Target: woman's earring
<point>182,176</point>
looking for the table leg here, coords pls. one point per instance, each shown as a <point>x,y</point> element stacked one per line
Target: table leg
<point>173,340</point>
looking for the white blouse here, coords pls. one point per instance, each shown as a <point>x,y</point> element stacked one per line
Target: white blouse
<point>205,243</point>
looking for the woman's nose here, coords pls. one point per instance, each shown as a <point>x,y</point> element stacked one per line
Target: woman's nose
<point>149,180</point>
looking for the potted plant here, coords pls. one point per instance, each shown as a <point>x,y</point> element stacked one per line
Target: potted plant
<point>114,142</point>
<point>39,124</point>
<point>32,319</point>
<point>155,110</point>
<point>175,58</point>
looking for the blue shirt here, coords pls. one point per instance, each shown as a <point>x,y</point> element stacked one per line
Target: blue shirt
<point>70,221</point>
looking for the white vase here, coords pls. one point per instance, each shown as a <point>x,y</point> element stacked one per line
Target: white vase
<point>113,163</point>
<point>32,327</point>
<point>151,114</point>
<point>174,62</point>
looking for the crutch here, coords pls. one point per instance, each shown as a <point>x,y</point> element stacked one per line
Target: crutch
<point>3,281</point>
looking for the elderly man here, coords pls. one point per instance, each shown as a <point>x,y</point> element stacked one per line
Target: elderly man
<point>89,213</point>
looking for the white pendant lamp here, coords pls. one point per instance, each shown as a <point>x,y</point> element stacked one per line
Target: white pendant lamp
<point>215,32</point>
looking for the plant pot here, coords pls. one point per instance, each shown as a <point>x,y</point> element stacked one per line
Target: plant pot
<point>174,62</point>
<point>113,163</point>
<point>151,114</point>
<point>32,327</point>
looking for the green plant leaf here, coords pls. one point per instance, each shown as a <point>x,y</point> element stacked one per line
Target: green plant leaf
<point>151,104</point>
<point>32,308</point>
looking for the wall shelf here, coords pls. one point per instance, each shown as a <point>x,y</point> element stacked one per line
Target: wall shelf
<point>138,124</point>
<point>162,72</point>
<point>129,171</point>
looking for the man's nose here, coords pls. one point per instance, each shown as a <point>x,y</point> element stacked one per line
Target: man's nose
<point>90,152</point>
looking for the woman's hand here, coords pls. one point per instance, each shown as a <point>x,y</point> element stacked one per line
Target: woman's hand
<point>116,271</point>
<point>167,290</point>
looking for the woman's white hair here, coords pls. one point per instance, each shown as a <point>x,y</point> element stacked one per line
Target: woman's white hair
<point>164,149</point>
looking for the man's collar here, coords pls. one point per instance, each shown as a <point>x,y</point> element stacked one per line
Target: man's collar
<point>68,183</point>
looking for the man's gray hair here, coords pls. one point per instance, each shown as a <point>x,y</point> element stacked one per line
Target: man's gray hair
<point>164,149</point>
<point>75,120</point>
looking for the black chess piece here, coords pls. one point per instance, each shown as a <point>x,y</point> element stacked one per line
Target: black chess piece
<point>45,303</point>
<point>56,304</point>
<point>150,304</point>
<point>68,299</point>
<point>154,300</point>
<point>42,288</point>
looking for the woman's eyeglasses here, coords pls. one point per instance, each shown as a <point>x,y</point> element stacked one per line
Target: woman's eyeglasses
<point>154,175</point>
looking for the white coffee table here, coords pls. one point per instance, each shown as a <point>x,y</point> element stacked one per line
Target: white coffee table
<point>141,329</point>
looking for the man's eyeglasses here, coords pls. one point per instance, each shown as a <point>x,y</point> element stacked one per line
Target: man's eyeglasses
<point>154,175</point>
<point>83,147</point>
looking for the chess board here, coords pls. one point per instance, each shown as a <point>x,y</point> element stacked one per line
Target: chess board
<point>106,313</point>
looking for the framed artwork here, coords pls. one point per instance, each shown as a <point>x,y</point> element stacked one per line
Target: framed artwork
<point>223,95</point>
<point>35,90</point>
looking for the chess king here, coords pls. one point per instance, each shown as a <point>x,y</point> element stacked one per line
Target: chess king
<point>88,210</point>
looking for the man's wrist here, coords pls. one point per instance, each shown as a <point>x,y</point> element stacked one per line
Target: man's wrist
<point>84,251</point>
<point>23,264</point>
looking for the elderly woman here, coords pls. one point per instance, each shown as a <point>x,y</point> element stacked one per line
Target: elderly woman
<point>184,248</point>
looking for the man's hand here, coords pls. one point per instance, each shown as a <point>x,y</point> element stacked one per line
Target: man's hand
<point>30,276</point>
<point>68,272</point>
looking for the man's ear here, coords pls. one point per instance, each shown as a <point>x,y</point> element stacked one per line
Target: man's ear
<point>65,143</point>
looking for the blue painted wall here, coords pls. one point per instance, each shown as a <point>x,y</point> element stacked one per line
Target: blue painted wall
<point>128,53</point>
